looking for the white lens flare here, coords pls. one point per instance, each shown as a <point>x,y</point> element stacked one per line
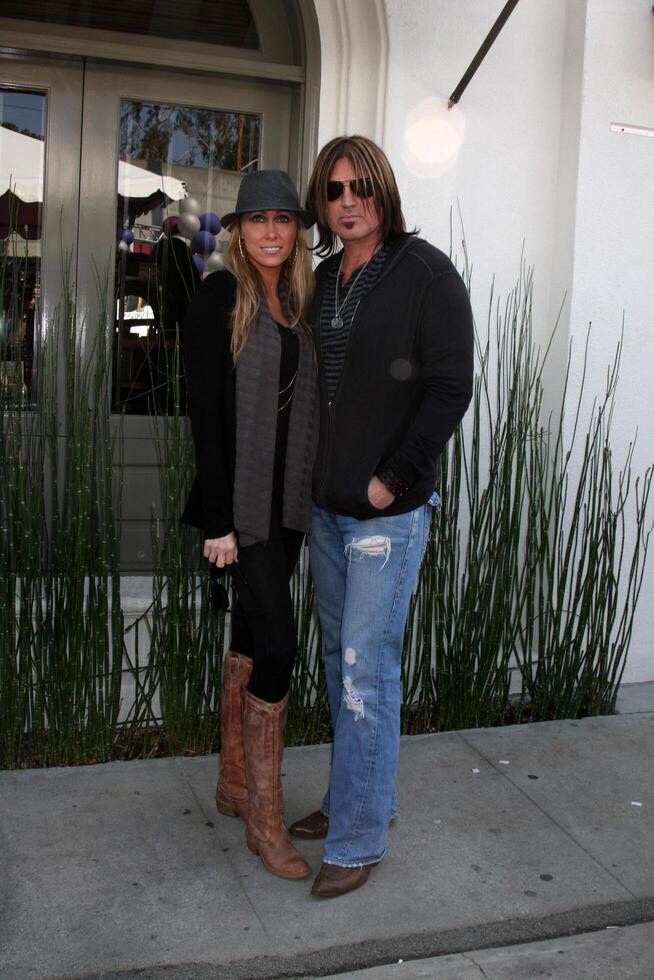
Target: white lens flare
<point>433,136</point>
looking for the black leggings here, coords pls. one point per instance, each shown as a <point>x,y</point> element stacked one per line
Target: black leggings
<point>263,625</point>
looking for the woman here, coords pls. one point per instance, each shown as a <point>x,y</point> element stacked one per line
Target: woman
<point>251,380</point>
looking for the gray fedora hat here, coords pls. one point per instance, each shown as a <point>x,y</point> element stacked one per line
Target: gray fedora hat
<point>267,190</point>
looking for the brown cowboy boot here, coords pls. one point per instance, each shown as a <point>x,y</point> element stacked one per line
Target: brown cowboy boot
<point>313,827</point>
<point>265,833</point>
<point>232,790</point>
<point>332,880</point>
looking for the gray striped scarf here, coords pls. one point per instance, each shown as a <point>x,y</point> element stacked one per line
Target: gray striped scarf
<point>257,394</point>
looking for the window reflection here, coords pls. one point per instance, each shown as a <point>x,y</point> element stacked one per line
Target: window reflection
<point>179,168</point>
<point>22,170</point>
<point>226,22</point>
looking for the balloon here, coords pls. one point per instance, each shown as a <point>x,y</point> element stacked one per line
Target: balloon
<point>123,246</point>
<point>210,222</point>
<point>128,236</point>
<point>203,242</point>
<point>188,225</point>
<point>199,263</point>
<point>214,262</point>
<point>171,226</point>
<point>188,205</point>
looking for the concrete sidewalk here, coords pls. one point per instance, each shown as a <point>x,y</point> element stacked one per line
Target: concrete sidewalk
<point>506,836</point>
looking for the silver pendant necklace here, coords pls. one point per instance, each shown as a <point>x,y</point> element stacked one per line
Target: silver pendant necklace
<point>337,319</point>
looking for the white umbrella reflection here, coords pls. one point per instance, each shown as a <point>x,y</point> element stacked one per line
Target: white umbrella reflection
<point>22,169</point>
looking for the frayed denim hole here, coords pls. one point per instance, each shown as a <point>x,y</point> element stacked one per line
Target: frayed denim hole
<point>353,702</point>
<point>375,546</point>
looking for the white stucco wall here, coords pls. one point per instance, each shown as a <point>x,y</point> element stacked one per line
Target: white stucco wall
<point>613,256</point>
<point>529,156</point>
<point>504,175</point>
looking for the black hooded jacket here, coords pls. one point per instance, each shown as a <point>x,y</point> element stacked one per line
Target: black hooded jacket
<point>405,385</point>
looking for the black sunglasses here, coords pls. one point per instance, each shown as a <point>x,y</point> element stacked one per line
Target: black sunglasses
<point>361,186</point>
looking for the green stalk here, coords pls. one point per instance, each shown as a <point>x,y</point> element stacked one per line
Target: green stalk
<point>532,574</point>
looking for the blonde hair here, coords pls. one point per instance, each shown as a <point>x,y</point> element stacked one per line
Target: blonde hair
<point>368,160</point>
<point>296,275</point>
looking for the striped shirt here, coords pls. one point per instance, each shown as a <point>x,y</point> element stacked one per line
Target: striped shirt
<point>334,339</point>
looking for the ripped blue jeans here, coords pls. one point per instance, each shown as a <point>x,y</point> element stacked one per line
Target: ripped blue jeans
<point>364,573</point>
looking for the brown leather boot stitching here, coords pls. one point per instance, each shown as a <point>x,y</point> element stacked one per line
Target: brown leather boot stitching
<point>231,791</point>
<point>266,835</point>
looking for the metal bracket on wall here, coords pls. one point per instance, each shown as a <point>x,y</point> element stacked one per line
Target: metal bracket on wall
<point>632,130</point>
<point>487,44</point>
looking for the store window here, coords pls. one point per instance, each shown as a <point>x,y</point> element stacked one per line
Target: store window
<point>22,176</point>
<point>179,168</point>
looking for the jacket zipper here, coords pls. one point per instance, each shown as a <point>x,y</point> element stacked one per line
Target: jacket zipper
<point>328,454</point>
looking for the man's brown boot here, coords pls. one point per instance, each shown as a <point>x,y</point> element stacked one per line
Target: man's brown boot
<point>332,880</point>
<point>313,827</point>
<point>232,790</point>
<point>265,833</point>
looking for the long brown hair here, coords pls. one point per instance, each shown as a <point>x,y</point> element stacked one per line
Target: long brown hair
<point>368,160</point>
<point>296,275</point>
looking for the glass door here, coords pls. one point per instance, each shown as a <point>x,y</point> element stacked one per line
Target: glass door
<point>40,127</point>
<point>163,154</point>
<point>129,168</point>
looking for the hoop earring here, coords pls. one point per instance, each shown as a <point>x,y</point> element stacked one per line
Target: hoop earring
<point>241,250</point>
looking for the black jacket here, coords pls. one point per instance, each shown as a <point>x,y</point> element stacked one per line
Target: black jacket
<point>406,381</point>
<point>210,375</point>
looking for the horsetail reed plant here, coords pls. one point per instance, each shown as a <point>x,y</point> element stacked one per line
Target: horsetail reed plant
<point>62,626</point>
<point>179,684</point>
<point>531,577</point>
<point>186,636</point>
<point>20,522</point>
<point>308,712</point>
<point>578,598</point>
<point>464,604</point>
<point>530,566</point>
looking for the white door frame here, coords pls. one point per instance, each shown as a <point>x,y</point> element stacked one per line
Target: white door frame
<point>353,50</point>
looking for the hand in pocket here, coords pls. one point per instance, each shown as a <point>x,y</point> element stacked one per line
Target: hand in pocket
<point>379,496</point>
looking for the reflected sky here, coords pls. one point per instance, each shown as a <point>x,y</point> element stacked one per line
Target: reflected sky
<point>23,112</point>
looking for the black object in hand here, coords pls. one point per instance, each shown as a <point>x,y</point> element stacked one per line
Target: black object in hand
<point>217,592</point>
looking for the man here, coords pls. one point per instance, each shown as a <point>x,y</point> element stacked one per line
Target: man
<point>395,347</point>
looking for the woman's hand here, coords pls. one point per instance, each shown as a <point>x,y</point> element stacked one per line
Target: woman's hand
<point>379,495</point>
<point>221,551</point>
